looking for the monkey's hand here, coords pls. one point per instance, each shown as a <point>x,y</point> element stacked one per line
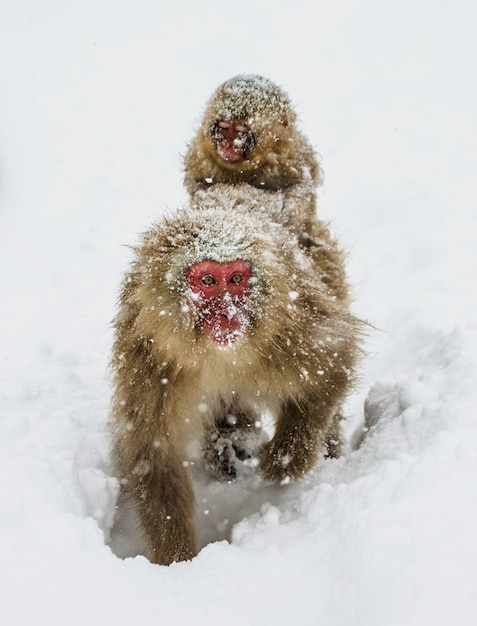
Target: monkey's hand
<point>175,541</point>
<point>280,460</point>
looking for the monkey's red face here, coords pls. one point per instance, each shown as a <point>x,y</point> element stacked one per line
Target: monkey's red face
<point>232,139</point>
<point>220,291</point>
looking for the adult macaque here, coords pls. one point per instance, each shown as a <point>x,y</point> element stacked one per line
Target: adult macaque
<point>222,315</point>
<point>249,135</point>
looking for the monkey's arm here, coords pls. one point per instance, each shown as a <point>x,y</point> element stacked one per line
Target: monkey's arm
<point>298,438</point>
<point>164,499</point>
<point>308,420</point>
<point>154,476</point>
<point>149,460</point>
<point>299,207</point>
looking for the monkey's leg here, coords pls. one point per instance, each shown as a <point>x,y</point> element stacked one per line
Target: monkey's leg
<point>298,438</point>
<point>165,503</point>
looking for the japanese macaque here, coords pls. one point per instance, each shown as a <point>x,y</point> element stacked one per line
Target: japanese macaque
<point>222,316</point>
<point>249,135</point>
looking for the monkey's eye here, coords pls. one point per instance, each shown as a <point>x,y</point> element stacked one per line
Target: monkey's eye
<point>223,124</point>
<point>242,128</point>
<point>236,278</point>
<point>208,280</point>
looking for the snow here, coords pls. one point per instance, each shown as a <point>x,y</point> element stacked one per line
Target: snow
<point>98,102</point>
<point>246,92</point>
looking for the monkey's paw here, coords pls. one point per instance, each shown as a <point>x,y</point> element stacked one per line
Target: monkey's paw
<point>176,543</point>
<point>278,464</point>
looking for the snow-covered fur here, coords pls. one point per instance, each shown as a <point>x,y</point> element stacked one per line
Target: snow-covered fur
<point>266,208</point>
<point>174,386</point>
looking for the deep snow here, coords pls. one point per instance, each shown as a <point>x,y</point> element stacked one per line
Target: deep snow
<point>98,101</point>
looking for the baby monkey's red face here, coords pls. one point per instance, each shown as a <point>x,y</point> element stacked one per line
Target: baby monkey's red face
<point>220,292</point>
<point>232,139</point>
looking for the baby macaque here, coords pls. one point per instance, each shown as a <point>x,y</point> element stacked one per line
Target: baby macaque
<point>249,135</point>
<point>221,316</point>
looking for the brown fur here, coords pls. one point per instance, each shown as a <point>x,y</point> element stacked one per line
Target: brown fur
<point>174,387</point>
<point>281,158</point>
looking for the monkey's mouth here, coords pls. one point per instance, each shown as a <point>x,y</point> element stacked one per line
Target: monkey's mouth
<point>232,151</point>
<point>224,329</point>
<point>225,339</point>
<point>232,139</point>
